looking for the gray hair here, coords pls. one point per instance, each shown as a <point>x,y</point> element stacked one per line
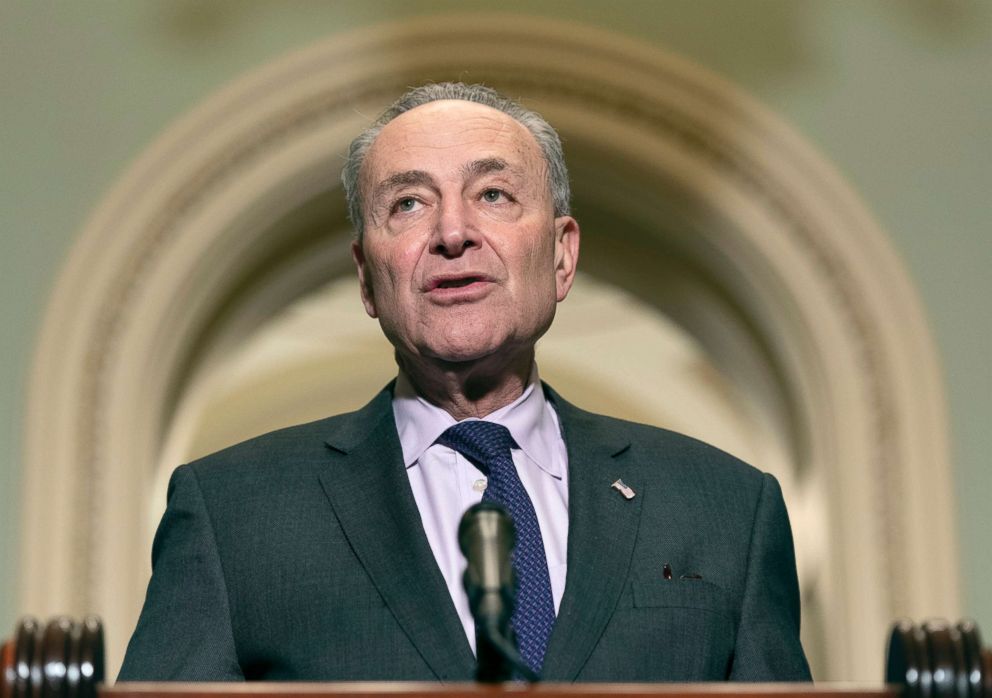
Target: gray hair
<point>545,135</point>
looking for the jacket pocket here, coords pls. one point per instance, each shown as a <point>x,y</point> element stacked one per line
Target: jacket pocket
<point>678,630</point>
<point>685,593</point>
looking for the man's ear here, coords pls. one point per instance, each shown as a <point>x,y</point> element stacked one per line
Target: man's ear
<point>566,254</point>
<point>364,278</point>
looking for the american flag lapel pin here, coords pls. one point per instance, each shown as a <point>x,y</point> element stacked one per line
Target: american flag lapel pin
<point>623,489</point>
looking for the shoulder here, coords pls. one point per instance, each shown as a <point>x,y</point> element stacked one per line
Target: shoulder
<point>292,450</point>
<point>681,459</point>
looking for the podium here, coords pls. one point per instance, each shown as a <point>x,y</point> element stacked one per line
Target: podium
<point>475,690</point>
<point>64,659</point>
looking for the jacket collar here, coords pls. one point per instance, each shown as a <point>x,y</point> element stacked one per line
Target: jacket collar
<point>370,493</point>
<point>602,530</point>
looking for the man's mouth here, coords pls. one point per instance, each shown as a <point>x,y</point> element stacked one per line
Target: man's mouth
<point>446,282</point>
<point>458,283</point>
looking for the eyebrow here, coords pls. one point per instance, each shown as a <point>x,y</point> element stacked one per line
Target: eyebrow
<point>484,166</point>
<point>402,179</point>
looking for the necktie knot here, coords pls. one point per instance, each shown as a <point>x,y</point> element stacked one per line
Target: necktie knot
<point>483,443</point>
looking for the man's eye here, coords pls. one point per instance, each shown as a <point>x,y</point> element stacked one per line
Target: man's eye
<point>493,196</point>
<point>406,205</point>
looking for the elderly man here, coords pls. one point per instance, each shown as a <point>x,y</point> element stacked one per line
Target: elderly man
<point>328,551</point>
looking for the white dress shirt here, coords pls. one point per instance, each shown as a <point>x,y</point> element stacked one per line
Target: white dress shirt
<point>445,483</point>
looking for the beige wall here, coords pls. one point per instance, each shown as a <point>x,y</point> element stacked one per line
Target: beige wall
<point>897,95</point>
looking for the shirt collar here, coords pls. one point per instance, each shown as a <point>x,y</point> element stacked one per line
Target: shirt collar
<point>530,419</point>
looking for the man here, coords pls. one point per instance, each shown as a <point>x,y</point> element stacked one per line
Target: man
<point>328,551</point>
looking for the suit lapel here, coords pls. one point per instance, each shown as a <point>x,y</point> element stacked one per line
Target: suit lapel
<point>371,496</point>
<point>602,530</point>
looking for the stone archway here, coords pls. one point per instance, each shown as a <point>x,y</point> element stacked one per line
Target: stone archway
<point>731,224</point>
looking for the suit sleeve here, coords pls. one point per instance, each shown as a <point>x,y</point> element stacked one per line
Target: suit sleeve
<point>767,646</point>
<point>184,632</point>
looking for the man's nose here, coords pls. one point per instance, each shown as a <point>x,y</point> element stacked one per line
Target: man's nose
<point>455,230</point>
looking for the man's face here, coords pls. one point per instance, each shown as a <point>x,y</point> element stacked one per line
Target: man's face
<point>462,255</point>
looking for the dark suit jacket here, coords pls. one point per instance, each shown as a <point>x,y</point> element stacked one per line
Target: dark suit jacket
<point>301,555</point>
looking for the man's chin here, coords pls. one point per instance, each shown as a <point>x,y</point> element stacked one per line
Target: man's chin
<point>464,350</point>
<point>470,352</point>
<point>462,354</point>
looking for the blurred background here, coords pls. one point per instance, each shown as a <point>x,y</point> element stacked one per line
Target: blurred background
<point>785,252</point>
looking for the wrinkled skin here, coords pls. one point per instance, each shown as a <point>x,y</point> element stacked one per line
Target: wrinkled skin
<point>463,260</point>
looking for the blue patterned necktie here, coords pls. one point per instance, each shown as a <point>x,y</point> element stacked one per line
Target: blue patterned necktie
<point>488,446</point>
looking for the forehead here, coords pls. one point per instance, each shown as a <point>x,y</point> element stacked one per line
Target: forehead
<point>449,133</point>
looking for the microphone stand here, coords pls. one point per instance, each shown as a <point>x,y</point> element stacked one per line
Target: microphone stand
<point>486,536</point>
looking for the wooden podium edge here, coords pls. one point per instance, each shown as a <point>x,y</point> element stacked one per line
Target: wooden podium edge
<point>546,690</point>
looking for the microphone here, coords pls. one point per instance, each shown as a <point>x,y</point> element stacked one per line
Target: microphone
<point>486,536</point>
